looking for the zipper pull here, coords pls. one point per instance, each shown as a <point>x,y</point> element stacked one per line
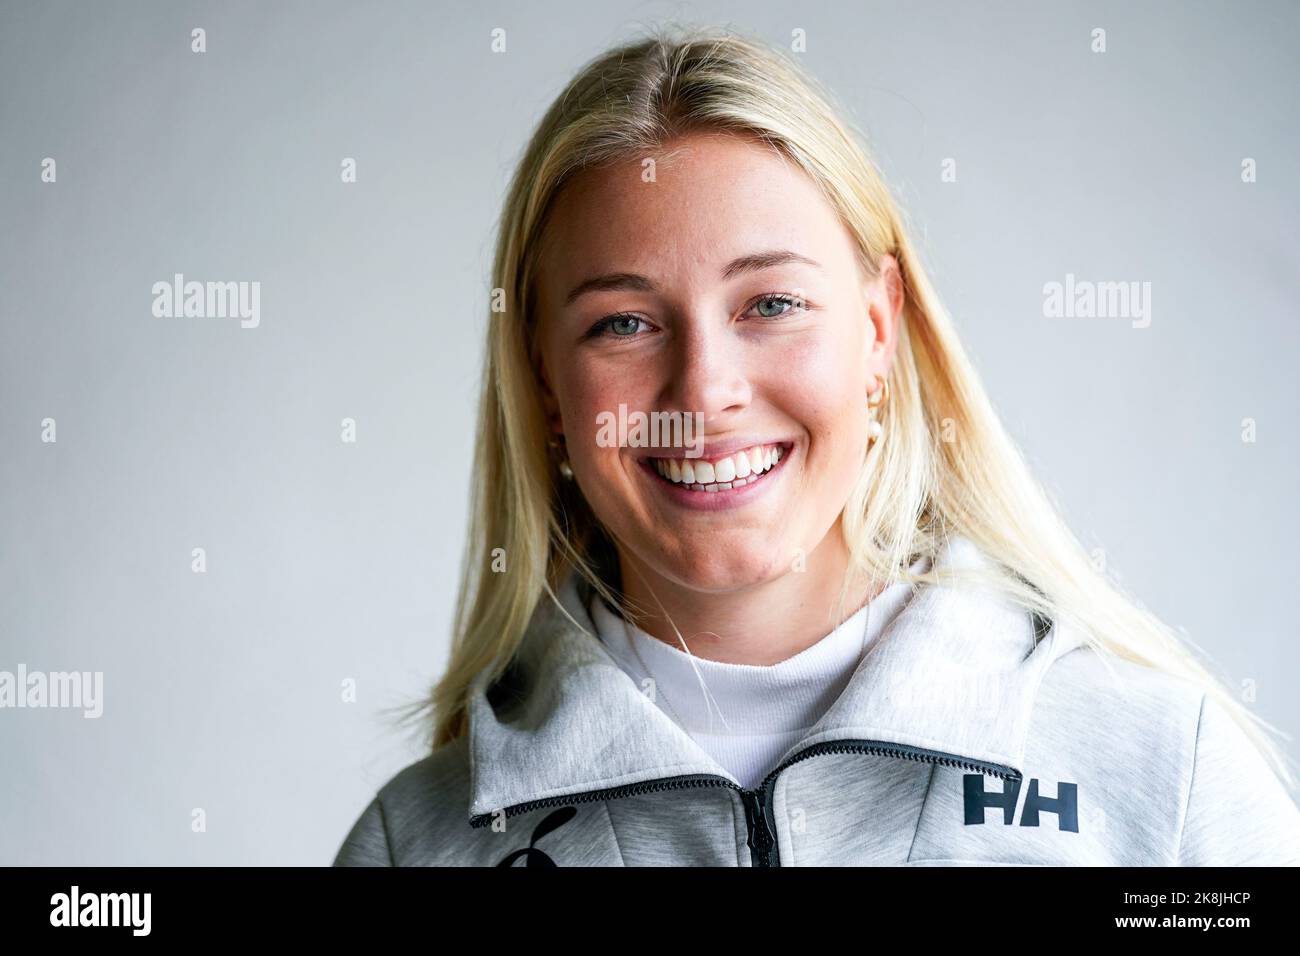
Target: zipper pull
<point>760,838</point>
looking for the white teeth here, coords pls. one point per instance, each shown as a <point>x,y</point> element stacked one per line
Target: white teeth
<point>734,471</point>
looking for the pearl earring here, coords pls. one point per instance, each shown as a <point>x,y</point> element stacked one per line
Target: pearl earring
<point>874,402</point>
<point>565,469</point>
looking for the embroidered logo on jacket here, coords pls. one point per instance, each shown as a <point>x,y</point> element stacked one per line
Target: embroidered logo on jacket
<point>533,856</point>
<point>1065,805</point>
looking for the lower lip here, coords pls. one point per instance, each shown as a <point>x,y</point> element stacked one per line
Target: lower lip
<point>718,500</point>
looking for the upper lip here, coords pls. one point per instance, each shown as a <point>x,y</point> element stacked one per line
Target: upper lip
<point>717,448</point>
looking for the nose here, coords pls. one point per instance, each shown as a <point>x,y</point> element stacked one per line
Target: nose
<point>708,373</point>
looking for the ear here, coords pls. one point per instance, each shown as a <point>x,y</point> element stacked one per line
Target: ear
<point>550,404</point>
<point>885,299</point>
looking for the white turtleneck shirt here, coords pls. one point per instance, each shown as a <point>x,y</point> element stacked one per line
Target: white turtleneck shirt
<point>747,716</point>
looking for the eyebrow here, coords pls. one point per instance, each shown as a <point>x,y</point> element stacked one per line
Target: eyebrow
<point>636,282</point>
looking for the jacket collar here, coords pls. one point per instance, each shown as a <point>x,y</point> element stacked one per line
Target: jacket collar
<point>955,672</point>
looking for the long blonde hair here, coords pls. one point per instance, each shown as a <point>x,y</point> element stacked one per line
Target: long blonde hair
<point>945,464</point>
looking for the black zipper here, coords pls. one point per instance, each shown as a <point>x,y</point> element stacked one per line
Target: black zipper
<point>762,828</point>
<point>758,802</point>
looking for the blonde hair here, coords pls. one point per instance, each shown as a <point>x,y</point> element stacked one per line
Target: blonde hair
<point>945,464</point>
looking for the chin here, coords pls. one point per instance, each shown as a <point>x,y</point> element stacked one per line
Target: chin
<point>720,577</point>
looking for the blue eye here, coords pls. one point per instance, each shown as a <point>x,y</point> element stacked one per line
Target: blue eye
<point>625,325</point>
<point>794,303</point>
<point>618,325</point>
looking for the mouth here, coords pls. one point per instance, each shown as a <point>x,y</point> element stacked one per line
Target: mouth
<point>725,476</point>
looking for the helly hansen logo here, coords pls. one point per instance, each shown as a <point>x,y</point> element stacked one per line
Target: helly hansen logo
<point>530,854</point>
<point>1065,805</point>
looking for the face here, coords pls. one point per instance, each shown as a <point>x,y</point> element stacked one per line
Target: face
<point>727,291</point>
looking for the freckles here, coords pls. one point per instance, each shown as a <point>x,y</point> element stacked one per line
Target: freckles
<point>597,393</point>
<point>583,389</point>
<point>604,387</point>
<point>587,391</point>
<point>824,356</point>
<point>824,385</point>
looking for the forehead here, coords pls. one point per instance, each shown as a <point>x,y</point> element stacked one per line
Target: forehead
<point>701,200</point>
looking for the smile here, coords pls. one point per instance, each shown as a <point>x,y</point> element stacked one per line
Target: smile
<point>731,472</point>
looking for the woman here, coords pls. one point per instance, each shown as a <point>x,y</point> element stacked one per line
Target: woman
<point>756,576</point>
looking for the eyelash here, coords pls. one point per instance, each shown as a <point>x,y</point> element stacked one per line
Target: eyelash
<point>601,328</point>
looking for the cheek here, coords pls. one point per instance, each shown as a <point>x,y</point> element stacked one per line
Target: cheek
<point>824,389</point>
<point>592,393</point>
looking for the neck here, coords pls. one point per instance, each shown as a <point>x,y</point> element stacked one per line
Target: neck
<point>762,624</point>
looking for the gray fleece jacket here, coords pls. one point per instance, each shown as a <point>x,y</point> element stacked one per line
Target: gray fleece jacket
<point>972,733</point>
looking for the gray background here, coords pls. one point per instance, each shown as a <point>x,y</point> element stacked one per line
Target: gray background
<point>329,561</point>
